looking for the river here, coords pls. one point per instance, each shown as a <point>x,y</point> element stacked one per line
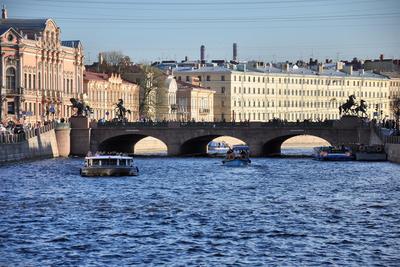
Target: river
<point>195,212</point>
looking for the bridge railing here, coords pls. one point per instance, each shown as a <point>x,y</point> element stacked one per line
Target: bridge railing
<point>390,139</point>
<point>163,124</point>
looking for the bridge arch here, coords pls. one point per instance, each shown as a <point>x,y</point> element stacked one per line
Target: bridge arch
<point>124,143</point>
<point>197,146</point>
<point>273,147</point>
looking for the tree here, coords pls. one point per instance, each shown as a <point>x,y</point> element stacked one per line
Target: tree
<point>151,80</point>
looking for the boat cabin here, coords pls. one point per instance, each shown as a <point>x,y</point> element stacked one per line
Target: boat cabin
<point>102,161</point>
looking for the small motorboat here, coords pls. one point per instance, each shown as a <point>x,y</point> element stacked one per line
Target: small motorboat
<point>109,165</point>
<point>217,148</point>
<point>238,156</point>
<point>331,153</point>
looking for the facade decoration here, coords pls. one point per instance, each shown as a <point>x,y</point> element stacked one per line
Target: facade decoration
<point>40,73</point>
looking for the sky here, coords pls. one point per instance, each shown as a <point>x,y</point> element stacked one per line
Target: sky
<point>265,30</point>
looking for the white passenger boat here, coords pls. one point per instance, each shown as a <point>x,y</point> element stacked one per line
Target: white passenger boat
<point>217,148</point>
<point>238,156</point>
<point>109,165</point>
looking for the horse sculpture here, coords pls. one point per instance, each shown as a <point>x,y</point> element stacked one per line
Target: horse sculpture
<point>346,107</point>
<point>121,111</point>
<point>81,108</point>
<point>361,108</point>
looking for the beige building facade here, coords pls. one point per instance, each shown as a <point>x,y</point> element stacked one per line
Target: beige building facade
<point>259,92</point>
<point>102,92</point>
<point>194,102</point>
<point>40,73</point>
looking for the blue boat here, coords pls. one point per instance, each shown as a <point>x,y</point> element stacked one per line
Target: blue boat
<point>238,156</point>
<point>331,153</point>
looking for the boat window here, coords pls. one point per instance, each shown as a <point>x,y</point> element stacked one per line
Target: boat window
<point>95,162</point>
<point>122,162</point>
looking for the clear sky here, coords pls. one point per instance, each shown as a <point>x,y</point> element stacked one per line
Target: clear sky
<point>269,30</point>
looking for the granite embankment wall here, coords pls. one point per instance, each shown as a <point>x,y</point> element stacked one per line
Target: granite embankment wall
<point>393,152</point>
<point>42,143</point>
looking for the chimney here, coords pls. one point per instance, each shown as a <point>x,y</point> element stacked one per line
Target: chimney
<point>234,52</point>
<point>381,57</point>
<point>202,54</point>
<point>4,13</point>
<point>285,67</point>
<point>186,59</point>
<point>320,68</point>
<point>101,59</point>
<point>339,65</point>
<point>348,69</point>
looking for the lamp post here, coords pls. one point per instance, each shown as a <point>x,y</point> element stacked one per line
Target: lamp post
<point>2,100</point>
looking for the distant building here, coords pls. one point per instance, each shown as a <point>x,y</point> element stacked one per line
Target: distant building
<point>383,65</point>
<point>102,92</point>
<point>260,92</point>
<point>40,73</point>
<point>194,102</point>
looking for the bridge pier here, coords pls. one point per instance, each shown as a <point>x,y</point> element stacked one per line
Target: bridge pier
<point>256,148</point>
<point>173,150</point>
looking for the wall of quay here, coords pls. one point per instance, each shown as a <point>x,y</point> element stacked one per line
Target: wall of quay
<point>43,145</point>
<point>393,152</point>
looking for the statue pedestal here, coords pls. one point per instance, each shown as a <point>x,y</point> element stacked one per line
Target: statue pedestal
<point>79,122</point>
<point>79,136</point>
<point>348,121</point>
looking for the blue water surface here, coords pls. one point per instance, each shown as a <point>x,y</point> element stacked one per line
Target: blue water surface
<point>196,212</point>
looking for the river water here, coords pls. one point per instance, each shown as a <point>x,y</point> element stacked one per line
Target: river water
<point>195,212</point>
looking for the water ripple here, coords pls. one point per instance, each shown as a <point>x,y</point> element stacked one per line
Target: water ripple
<point>195,212</point>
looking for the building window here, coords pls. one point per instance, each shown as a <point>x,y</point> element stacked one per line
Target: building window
<point>222,78</point>
<point>208,78</point>
<point>30,81</point>
<point>199,77</point>
<point>222,90</point>
<point>10,79</point>
<point>34,81</point>
<point>187,78</point>
<point>10,108</point>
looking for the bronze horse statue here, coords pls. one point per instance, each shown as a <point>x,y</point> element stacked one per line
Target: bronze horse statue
<point>81,108</point>
<point>121,111</point>
<point>346,107</point>
<point>361,108</point>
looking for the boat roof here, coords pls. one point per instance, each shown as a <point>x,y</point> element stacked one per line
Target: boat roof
<point>240,147</point>
<point>108,157</point>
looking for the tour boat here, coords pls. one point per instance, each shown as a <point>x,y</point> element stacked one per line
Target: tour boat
<point>217,148</point>
<point>333,153</point>
<point>238,156</point>
<point>109,165</point>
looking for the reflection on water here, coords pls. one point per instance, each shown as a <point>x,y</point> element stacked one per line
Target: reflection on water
<point>196,212</point>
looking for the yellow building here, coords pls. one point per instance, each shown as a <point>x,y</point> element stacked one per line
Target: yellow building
<point>40,73</point>
<point>102,92</point>
<point>194,102</point>
<point>260,92</point>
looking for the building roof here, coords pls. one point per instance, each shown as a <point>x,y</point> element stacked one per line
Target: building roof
<point>391,74</point>
<point>71,43</point>
<point>188,86</point>
<point>291,70</point>
<point>96,76</point>
<point>37,25</point>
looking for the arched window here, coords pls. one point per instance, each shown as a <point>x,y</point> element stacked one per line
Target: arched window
<point>10,78</point>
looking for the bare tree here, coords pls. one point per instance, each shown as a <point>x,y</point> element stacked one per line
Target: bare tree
<point>113,57</point>
<point>151,80</point>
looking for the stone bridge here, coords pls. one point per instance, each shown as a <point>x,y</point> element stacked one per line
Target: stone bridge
<point>264,139</point>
